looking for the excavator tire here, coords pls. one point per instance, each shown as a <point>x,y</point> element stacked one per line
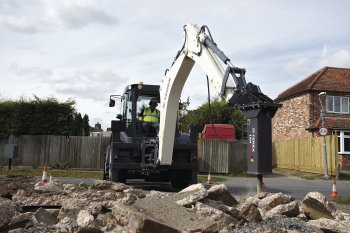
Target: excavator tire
<point>118,176</point>
<point>180,179</point>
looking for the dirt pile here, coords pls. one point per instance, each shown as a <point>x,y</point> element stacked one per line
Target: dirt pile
<point>114,207</point>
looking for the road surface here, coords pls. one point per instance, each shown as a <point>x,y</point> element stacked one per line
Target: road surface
<point>246,186</point>
<point>289,185</point>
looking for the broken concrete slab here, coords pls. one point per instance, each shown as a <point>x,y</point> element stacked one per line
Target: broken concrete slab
<point>330,225</point>
<point>271,201</point>
<point>41,216</point>
<point>250,212</point>
<point>222,219</point>
<point>193,187</point>
<point>67,225</point>
<point>289,210</point>
<point>108,185</point>
<point>224,208</point>
<point>192,198</point>
<point>139,193</point>
<point>84,218</point>
<point>25,198</point>
<point>315,205</point>
<point>163,212</point>
<point>221,193</point>
<point>19,221</point>
<point>8,209</point>
<point>158,211</point>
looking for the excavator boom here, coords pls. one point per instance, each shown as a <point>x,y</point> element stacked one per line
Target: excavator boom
<point>228,80</point>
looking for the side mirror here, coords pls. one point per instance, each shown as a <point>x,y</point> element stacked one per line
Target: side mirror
<point>111,103</point>
<point>119,116</point>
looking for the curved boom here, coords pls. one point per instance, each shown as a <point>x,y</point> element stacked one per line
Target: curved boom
<point>198,48</point>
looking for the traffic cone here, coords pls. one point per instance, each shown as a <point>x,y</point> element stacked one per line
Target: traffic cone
<point>334,193</point>
<point>44,178</point>
<point>209,179</point>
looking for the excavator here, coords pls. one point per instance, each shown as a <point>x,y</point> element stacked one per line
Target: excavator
<point>170,155</point>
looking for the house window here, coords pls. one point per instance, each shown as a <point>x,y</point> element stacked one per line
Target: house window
<point>338,104</point>
<point>344,142</point>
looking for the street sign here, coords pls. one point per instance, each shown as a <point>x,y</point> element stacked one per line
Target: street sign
<point>323,131</point>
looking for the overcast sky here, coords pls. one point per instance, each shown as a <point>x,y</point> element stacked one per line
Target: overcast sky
<point>87,50</point>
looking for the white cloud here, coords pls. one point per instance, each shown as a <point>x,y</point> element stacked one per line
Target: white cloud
<point>30,71</point>
<point>45,16</point>
<point>89,49</point>
<point>338,59</point>
<point>299,67</point>
<point>94,84</point>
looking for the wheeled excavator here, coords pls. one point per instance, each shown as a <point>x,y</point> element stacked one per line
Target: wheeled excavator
<point>168,154</point>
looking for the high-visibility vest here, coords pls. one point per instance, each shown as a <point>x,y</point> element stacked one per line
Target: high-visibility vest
<point>151,117</point>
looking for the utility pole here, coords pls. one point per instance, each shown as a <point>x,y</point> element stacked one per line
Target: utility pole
<point>323,132</point>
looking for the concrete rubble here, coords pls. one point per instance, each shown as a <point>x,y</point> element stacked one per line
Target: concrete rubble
<point>113,207</point>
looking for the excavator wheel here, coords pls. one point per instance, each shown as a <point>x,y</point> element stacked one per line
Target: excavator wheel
<point>118,176</point>
<point>181,179</point>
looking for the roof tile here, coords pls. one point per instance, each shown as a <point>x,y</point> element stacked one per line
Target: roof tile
<point>332,123</point>
<point>329,79</point>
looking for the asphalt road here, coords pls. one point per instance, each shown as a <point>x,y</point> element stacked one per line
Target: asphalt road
<point>243,186</point>
<point>289,185</point>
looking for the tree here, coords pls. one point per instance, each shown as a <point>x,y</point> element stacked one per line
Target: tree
<point>218,113</point>
<point>85,125</point>
<point>183,107</point>
<point>39,117</point>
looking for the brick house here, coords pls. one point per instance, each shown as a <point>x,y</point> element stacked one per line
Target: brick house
<point>300,116</point>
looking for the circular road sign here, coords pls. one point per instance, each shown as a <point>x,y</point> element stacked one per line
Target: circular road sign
<point>323,131</point>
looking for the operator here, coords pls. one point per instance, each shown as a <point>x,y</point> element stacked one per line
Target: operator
<point>150,117</point>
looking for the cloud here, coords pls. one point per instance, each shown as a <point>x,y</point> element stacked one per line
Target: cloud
<point>299,67</point>
<point>94,83</point>
<point>18,24</point>
<point>77,14</point>
<point>45,16</point>
<point>340,58</point>
<point>29,71</point>
<point>90,84</point>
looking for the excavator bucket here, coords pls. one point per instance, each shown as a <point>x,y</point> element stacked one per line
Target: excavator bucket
<point>251,95</point>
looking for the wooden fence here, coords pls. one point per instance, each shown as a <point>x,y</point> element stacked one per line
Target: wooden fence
<point>222,156</point>
<point>306,154</point>
<point>78,152</point>
<point>217,156</point>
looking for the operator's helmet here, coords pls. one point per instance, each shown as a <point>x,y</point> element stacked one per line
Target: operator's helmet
<point>153,100</point>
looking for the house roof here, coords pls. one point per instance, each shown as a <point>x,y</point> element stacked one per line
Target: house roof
<point>329,79</point>
<point>332,123</point>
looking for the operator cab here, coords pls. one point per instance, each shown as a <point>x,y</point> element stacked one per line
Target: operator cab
<point>136,98</point>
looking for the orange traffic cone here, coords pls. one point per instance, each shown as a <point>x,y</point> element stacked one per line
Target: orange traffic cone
<point>209,179</point>
<point>44,178</point>
<point>334,193</point>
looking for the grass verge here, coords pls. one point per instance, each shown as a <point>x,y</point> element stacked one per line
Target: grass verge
<point>343,200</point>
<point>79,174</point>
<point>54,173</point>
<point>204,179</point>
<point>344,176</point>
